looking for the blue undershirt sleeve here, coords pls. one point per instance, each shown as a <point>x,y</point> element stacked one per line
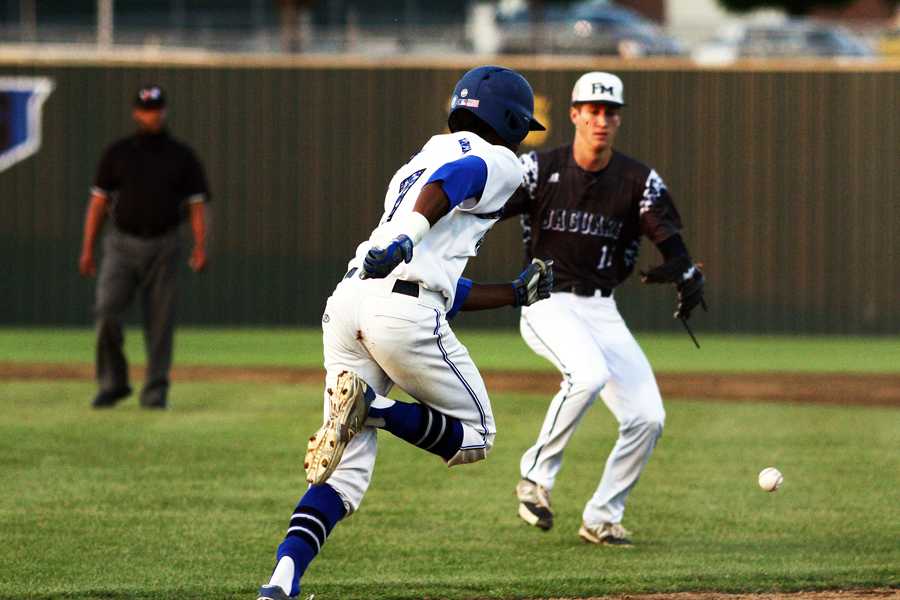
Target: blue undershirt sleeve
<point>463,287</point>
<point>462,178</point>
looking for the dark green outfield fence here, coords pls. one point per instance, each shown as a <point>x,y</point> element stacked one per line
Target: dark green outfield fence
<point>787,180</point>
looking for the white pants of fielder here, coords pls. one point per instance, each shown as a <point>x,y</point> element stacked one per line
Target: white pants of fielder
<point>389,338</point>
<point>587,340</point>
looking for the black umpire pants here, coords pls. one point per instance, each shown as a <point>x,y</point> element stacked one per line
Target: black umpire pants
<point>132,265</point>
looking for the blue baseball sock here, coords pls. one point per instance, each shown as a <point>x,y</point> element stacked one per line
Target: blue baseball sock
<point>421,426</point>
<point>316,514</point>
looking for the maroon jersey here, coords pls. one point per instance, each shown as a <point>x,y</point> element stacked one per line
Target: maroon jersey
<point>590,223</point>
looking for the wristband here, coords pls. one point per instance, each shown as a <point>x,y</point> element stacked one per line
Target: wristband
<point>414,225</point>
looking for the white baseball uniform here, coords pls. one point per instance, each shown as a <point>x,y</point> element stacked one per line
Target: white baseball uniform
<point>389,337</point>
<point>590,225</point>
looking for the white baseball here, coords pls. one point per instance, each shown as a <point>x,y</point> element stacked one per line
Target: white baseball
<point>770,479</point>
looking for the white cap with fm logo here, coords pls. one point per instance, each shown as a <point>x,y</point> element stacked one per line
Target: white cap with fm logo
<point>598,87</point>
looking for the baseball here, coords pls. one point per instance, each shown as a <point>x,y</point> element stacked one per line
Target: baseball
<point>770,479</point>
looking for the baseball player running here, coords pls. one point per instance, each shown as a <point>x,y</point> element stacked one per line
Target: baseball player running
<point>586,206</point>
<point>386,321</point>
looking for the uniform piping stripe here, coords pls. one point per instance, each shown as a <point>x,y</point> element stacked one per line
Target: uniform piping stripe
<point>473,447</point>
<point>311,534</point>
<point>491,215</point>
<point>427,428</point>
<point>568,378</point>
<point>437,327</point>
<point>315,520</point>
<point>440,433</point>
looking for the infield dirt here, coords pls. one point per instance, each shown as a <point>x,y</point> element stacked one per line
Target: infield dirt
<point>818,388</point>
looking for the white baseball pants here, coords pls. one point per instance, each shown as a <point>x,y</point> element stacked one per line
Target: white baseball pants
<point>587,340</point>
<point>389,338</point>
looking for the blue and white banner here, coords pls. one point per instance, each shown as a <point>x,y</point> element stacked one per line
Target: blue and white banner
<point>21,100</point>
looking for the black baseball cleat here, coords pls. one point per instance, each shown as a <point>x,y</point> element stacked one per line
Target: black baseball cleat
<point>273,592</point>
<point>109,398</point>
<point>534,504</point>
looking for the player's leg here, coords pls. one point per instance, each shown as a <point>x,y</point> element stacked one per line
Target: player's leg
<point>413,343</point>
<point>158,299</point>
<point>116,285</point>
<point>554,329</point>
<point>633,397</point>
<point>323,505</point>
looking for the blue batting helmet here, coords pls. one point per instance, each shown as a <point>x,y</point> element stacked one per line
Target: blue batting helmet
<point>501,98</point>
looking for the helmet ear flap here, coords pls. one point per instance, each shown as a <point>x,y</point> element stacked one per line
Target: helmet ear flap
<point>514,122</point>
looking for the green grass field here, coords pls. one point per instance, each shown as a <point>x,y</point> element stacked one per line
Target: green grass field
<point>191,503</point>
<point>501,349</point>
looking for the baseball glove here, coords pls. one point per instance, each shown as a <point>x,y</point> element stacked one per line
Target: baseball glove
<point>534,283</point>
<point>688,279</point>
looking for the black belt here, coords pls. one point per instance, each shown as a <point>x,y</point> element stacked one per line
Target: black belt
<point>585,290</point>
<point>407,288</point>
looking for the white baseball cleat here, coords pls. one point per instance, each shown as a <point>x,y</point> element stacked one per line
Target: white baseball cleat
<point>272,592</point>
<point>534,504</point>
<point>349,407</point>
<point>610,534</point>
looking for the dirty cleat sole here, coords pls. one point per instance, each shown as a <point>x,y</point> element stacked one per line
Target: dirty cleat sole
<point>534,504</point>
<point>535,515</point>
<point>349,407</point>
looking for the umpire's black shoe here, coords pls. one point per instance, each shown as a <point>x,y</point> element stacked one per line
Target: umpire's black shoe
<point>272,592</point>
<point>158,403</point>
<point>109,398</point>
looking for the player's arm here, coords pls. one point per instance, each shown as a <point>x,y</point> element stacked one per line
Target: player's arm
<point>661,223</point>
<point>449,186</point>
<point>532,284</point>
<point>93,222</point>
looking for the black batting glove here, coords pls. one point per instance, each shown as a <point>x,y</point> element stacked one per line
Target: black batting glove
<point>690,294</point>
<point>534,283</point>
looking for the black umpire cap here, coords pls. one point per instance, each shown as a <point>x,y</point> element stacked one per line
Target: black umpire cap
<point>150,97</point>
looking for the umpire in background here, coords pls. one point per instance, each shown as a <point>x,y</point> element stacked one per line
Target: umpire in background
<point>149,183</point>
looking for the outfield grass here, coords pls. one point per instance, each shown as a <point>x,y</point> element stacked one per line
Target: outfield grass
<point>501,349</point>
<point>191,503</point>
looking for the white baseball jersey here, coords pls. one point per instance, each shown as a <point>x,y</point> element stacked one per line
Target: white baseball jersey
<point>441,256</point>
<point>398,338</point>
